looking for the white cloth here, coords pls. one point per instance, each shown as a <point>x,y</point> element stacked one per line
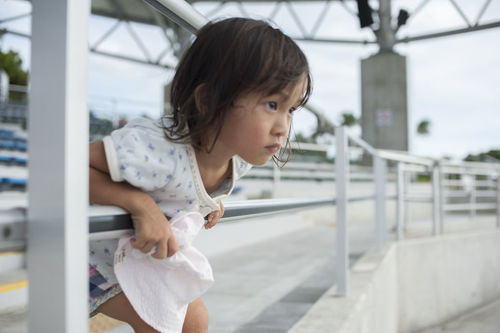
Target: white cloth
<point>161,289</point>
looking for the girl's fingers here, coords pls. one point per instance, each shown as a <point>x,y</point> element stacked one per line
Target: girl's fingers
<point>172,246</point>
<point>213,218</point>
<point>161,250</point>
<point>148,247</point>
<point>137,243</point>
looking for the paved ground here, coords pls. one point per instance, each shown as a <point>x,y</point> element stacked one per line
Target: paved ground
<point>270,285</point>
<point>266,287</point>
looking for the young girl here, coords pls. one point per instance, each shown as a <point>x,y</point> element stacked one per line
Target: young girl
<point>233,97</point>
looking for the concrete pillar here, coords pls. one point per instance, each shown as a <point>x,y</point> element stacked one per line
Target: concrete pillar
<point>384,117</point>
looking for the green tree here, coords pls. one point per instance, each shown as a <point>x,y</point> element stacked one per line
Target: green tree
<point>12,64</point>
<point>348,119</point>
<point>423,127</point>
<point>489,156</point>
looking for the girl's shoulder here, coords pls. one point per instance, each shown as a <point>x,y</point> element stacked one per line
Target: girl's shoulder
<point>146,129</point>
<point>143,125</point>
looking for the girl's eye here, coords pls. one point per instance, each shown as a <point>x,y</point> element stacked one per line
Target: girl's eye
<point>272,105</point>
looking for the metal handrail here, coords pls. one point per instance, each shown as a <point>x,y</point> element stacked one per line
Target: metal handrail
<point>107,222</point>
<point>181,13</point>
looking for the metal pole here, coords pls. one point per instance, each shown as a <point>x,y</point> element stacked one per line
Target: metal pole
<point>276,179</point>
<point>498,201</point>
<point>436,196</point>
<point>442,199</point>
<point>400,207</point>
<point>58,168</point>
<point>385,34</point>
<point>407,189</point>
<point>341,184</point>
<point>473,199</point>
<point>380,170</point>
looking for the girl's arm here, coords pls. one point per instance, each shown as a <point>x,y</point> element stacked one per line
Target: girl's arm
<point>151,226</point>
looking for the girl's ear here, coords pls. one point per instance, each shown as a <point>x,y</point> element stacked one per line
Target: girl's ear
<point>201,98</point>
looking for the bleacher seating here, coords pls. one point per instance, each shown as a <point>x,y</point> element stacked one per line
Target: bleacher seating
<point>13,157</point>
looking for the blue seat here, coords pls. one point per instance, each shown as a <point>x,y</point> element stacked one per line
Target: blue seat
<point>12,183</point>
<point>20,160</point>
<point>13,145</point>
<point>6,134</point>
<point>13,160</point>
<point>7,145</point>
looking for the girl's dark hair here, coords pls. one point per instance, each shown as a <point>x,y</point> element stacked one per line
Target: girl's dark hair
<point>229,58</point>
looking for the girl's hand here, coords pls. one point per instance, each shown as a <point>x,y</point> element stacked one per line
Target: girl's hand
<point>215,216</point>
<point>152,229</point>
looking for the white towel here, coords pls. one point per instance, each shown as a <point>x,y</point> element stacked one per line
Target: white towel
<point>161,289</point>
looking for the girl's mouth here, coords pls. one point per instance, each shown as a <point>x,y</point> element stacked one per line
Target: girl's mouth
<point>273,148</point>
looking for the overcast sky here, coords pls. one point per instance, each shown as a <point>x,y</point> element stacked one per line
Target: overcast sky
<point>454,81</point>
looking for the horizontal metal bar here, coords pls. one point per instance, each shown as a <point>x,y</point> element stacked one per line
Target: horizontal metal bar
<point>401,157</point>
<point>107,222</point>
<point>112,222</point>
<point>449,33</point>
<point>15,33</point>
<point>131,59</point>
<point>468,206</point>
<point>477,194</point>
<point>478,183</point>
<point>475,165</point>
<point>114,226</point>
<point>470,171</point>
<point>416,168</point>
<point>336,40</point>
<point>309,146</point>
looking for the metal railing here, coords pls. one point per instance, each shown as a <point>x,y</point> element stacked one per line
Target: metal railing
<point>436,169</point>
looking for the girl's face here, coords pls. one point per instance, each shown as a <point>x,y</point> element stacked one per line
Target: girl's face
<point>257,126</point>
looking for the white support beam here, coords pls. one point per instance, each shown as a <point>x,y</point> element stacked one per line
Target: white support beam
<point>380,174</point>
<point>58,168</point>
<point>400,200</point>
<point>341,194</point>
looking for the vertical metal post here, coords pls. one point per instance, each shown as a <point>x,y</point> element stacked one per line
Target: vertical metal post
<point>341,188</point>
<point>436,196</point>
<point>442,198</point>
<point>58,168</point>
<point>400,206</point>
<point>406,215</point>
<point>385,33</point>
<point>380,170</point>
<point>276,179</point>
<point>473,200</point>
<point>498,201</point>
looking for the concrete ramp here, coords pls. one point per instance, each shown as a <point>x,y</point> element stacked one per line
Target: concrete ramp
<point>413,285</point>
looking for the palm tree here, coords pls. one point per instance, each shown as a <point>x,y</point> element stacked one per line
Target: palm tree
<point>348,119</point>
<point>423,127</point>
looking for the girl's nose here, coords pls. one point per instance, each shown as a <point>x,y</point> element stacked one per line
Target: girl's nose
<point>281,125</point>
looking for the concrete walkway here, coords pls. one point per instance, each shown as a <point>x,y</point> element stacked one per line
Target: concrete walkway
<point>268,286</point>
